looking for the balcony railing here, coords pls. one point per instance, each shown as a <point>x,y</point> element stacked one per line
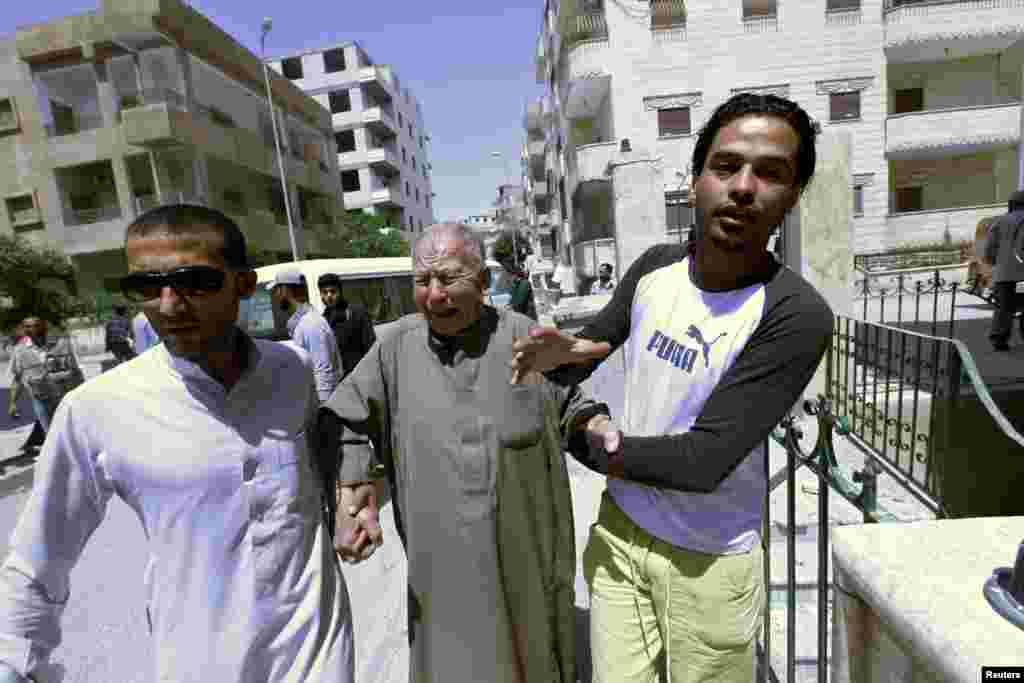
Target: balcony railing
<point>24,217</point>
<point>960,130</point>
<point>97,215</point>
<point>908,24</point>
<point>592,26</point>
<point>760,24</point>
<point>140,98</point>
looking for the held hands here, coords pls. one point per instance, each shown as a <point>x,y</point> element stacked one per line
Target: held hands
<point>548,347</point>
<point>357,532</point>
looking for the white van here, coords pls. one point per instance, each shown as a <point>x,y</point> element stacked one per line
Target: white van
<point>382,285</point>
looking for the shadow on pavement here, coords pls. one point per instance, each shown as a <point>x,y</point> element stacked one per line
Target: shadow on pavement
<point>27,414</point>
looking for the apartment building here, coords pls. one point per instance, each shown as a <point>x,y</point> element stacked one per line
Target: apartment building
<point>929,91</point>
<point>379,134</point>
<point>106,114</point>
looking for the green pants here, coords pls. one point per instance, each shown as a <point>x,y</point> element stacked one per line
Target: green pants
<point>648,597</point>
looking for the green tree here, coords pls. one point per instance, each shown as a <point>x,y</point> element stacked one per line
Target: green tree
<point>35,281</point>
<point>506,245</point>
<point>361,236</point>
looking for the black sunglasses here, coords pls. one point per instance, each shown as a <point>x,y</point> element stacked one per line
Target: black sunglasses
<point>190,281</point>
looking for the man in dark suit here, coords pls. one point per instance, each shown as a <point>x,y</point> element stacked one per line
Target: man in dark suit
<point>350,321</point>
<point>1004,248</point>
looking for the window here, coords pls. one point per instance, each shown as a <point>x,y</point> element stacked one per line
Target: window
<point>340,101</point>
<point>674,121</point>
<point>907,100</point>
<point>844,106</point>
<point>334,60</point>
<point>350,181</point>
<point>678,212</point>
<point>668,13</point>
<point>421,142</point>
<point>841,5</point>
<point>8,115</point>
<point>405,157</point>
<point>414,162</point>
<point>401,123</point>
<point>411,225</point>
<point>410,129</point>
<point>292,68</point>
<point>406,188</point>
<point>909,199</point>
<point>23,212</point>
<point>417,195</point>
<point>345,140</point>
<point>759,8</point>
<point>858,200</point>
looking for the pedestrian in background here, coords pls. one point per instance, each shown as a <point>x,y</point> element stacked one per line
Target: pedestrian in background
<point>308,329</point>
<point>118,333</point>
<point>521,300</point>
<point>604,283</point>
<point>1004,248</point>
<point>47,367</point>
<point>350,322</point>
<point>143,333</point>
<point>209,445</point>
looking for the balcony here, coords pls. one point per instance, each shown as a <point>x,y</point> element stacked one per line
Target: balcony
<point>929,226</point>
<point>24,218</point>
<point>533,120</point>
<point>952,132</point>
<point>378,81</point>
<point>592,161</point>
<point>590,26</point>
<point>923,30</point>
<point>380,122</point>
<point>388,197</point>
<point>97,230</point>
<point>535,150</point>
<point>384,161</point>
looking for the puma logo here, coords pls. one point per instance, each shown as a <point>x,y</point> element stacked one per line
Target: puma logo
<point>694,333</point>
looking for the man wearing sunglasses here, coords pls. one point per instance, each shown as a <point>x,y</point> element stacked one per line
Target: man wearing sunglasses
<point>209,444</point>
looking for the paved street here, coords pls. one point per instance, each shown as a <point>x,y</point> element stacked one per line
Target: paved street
<point>105,634</point>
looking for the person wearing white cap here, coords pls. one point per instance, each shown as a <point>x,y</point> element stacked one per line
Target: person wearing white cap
<point>307,328</point>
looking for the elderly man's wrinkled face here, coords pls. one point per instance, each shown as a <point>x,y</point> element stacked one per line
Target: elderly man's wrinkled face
<point>449,287</point>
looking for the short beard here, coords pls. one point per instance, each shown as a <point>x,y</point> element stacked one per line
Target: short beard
<point>225,342</point>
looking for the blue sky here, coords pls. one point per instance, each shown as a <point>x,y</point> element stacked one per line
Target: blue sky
<point>469,62</point>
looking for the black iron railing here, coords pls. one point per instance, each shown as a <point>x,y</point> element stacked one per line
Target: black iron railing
<point>903,298</point>
<point>893,394</point>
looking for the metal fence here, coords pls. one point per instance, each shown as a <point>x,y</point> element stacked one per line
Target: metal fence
<point>893,394</point>
<point>907,298</point>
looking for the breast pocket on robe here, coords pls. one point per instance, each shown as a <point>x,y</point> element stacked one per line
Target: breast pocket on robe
<point>520,418</point>
<point>472,459</point>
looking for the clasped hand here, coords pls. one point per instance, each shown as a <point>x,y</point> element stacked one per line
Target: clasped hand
<point>357,531</point>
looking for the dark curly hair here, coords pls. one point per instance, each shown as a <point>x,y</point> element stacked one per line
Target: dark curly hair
<point>746,104</point>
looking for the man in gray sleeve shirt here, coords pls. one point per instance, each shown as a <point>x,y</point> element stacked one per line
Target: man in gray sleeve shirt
<point>307,328</point>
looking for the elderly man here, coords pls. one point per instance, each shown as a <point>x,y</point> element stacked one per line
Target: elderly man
<point>208,444</point>
<point>46,366</point>
<point>307,328</point>
<point>481,490</point>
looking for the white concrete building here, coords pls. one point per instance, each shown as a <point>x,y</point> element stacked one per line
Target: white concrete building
<point>930,92</point>
<point>378,130</point>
